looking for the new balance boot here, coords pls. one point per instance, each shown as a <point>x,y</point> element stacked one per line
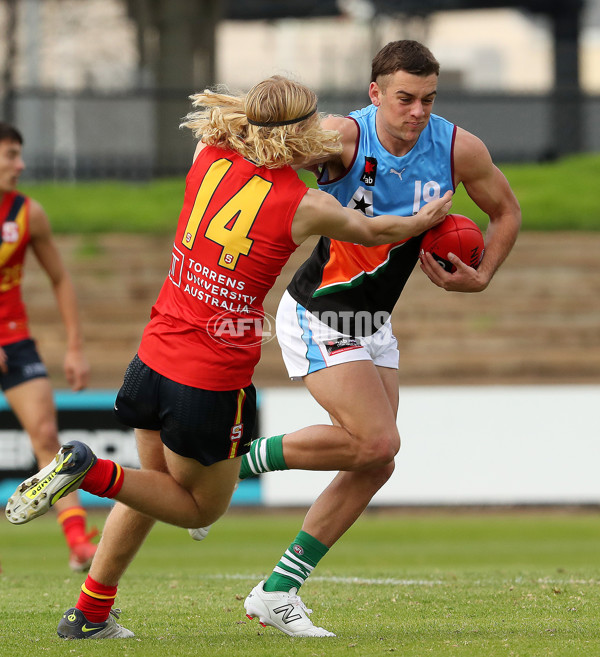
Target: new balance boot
<point>282,610</point>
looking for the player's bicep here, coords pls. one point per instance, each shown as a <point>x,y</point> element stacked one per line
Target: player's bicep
<point>485,184</point>
<point>493,195</point>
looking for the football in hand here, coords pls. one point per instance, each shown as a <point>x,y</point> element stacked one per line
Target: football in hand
<point>455,234</point>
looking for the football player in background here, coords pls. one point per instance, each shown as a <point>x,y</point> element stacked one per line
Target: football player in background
<point>23,376</point>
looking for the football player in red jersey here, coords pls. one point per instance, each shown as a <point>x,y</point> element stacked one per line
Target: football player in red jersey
<point>188,391</point>
<point>23,376</point>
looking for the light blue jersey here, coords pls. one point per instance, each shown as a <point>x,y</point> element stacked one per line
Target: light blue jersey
<point>340,277</point>
<point>381,183</point>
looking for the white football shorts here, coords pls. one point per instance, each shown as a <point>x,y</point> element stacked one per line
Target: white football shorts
<point>308,344</point>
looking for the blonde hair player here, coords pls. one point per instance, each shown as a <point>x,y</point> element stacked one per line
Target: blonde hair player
<point>190,400</point>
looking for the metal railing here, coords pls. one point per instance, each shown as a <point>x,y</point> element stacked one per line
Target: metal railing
<point>135,135</point>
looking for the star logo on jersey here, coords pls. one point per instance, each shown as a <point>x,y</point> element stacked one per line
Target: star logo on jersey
<point>361,204</point>
<point>370,171</point>
<point>362,200</point>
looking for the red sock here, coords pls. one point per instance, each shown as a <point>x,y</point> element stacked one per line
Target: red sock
<point>96,600</point>
<point>72,521</point>
<point>104,479</point>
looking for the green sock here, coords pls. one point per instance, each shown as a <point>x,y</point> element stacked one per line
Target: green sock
<point>265,455</point>
<point>296,564</point>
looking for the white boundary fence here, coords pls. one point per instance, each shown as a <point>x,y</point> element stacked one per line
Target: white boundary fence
<point>465,445</point>
<point>461,445</point>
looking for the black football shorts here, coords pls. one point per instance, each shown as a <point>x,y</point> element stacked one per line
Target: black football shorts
<point>24,363</point>
<point>205,425</point>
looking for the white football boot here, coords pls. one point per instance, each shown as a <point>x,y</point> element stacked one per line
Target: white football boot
<point>282,610</point>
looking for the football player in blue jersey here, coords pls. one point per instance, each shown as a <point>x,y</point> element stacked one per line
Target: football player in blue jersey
<point>333,323</point>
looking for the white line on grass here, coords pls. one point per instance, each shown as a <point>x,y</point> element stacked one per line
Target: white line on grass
<point>338,580</point>
<point>402,582</point>
<point>376,582</point>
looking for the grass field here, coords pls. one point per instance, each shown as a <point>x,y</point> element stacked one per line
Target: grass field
<point>553,196</point>
<point>472,584</point>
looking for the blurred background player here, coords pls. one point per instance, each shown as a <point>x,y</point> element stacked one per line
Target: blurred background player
<point>23,375</point>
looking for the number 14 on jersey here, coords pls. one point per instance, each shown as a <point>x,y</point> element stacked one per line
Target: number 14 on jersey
<point>230,224</point>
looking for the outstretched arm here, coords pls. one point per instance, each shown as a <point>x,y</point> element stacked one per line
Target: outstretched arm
<point>320,213</point>
<point>75,364</point>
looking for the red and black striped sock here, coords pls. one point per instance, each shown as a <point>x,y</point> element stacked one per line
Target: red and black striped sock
<point>104,479</point>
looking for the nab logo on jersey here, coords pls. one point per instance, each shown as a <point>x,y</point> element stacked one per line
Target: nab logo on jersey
<point>370,171</point>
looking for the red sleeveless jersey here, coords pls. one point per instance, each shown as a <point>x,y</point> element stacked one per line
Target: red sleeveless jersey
<point>14,238</point>
<point>232,240</point>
